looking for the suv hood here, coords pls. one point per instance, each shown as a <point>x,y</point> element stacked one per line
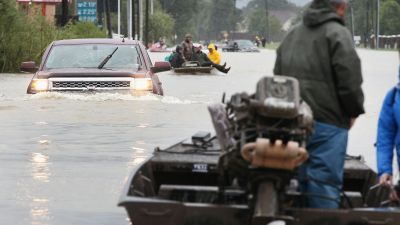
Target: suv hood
<point>89,73</point>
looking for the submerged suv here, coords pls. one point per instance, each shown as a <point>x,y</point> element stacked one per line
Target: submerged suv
<point>240,46</point>
<point>95,65</point>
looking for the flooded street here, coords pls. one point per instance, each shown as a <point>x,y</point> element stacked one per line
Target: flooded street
<point>65,157</point>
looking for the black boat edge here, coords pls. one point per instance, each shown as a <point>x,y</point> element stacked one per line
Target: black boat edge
<point>247,174</point>
<point>193,70</point>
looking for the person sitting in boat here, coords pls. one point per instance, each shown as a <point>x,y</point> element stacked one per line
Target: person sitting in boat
<point>203,59</point>
<point>213,54</point>
<point>187,46</point>
<point>160,45</point>
<point>176,58</point>
<point>388,137</point>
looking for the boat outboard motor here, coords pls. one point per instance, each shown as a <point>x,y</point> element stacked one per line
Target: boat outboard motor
<point>263,138</point>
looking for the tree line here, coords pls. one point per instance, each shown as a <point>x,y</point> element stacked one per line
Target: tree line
<point>211,19</point>
<point>24,37</point>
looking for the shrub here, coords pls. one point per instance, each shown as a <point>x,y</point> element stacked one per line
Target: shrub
<point>24,37</point>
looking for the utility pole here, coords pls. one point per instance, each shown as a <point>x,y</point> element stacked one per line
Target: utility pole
<point>64,13</point>
<point>377,22</point>
<point>351,19</point>
<point>367,26</point>
<point>234,16</point>
<point>129,18</point>
<point>133,24</point>
<point>119,18</point>
<point>140,20</point>
<point>267,36</point>
<point>108,18</point>
<point>146,28</point>
<point>373,20</point>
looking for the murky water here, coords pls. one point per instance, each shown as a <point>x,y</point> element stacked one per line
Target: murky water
<point>65,157</point>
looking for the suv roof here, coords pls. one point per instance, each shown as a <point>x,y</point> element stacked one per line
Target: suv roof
<point>96,41</point>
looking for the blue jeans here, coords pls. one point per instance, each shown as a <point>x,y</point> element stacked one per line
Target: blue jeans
<point>321,176</point>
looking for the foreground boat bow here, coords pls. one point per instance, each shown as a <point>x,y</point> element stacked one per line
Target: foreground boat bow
<point>179,186</point>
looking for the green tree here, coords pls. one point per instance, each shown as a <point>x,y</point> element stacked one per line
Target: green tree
<point>124,23</point>
<point>183,11</point>
<point>390,17</point>
<point>161,25</point>
<point>223,17</point>
<point>258,25</point>
<point>255,15</point>
<point>205,19</point>
<point>81,30</point>
<point>24,37</point>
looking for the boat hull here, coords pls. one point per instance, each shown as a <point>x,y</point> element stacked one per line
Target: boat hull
<point>193,70</point>
<point>179,186</point>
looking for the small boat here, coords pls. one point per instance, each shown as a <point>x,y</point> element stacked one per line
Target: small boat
<point>193,67</point>
<point>179,185</point>
<point>245,175</point>
<point>159,50</point>
<point>159,47</point>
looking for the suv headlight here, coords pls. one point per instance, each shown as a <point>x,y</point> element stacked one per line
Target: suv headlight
<point>142,84</point>
<point>40,84</point>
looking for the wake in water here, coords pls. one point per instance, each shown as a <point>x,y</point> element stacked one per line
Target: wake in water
<point>110,97</point>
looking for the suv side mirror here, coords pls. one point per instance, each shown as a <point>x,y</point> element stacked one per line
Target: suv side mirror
<point>160,67</point>
<point>29,67</point>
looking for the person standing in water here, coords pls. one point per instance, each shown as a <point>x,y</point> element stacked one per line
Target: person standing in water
<point>320,53</point>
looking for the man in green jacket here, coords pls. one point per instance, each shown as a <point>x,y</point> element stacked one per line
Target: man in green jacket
<point>320,53</point>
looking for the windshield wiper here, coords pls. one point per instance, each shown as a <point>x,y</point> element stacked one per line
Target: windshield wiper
<point>106,59</point>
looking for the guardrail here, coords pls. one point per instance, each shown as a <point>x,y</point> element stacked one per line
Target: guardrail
<point>385,41</point>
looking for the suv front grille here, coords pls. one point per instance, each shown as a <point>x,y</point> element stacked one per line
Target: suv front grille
<point>90,84</point>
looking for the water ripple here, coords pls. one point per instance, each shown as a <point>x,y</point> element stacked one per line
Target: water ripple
<point>110,97</point>
<point>8,107</point>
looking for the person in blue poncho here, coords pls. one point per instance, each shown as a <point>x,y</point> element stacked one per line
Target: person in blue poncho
<point>388,137</point>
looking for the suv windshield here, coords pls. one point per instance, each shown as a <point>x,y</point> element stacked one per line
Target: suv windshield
<point>91,55</point>
<point>245,43</point>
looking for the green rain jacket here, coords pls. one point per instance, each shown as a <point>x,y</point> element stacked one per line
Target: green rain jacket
<point>320,53</point>
<point>200,57</point>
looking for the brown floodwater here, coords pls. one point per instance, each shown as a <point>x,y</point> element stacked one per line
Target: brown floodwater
<point>65,157</point>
